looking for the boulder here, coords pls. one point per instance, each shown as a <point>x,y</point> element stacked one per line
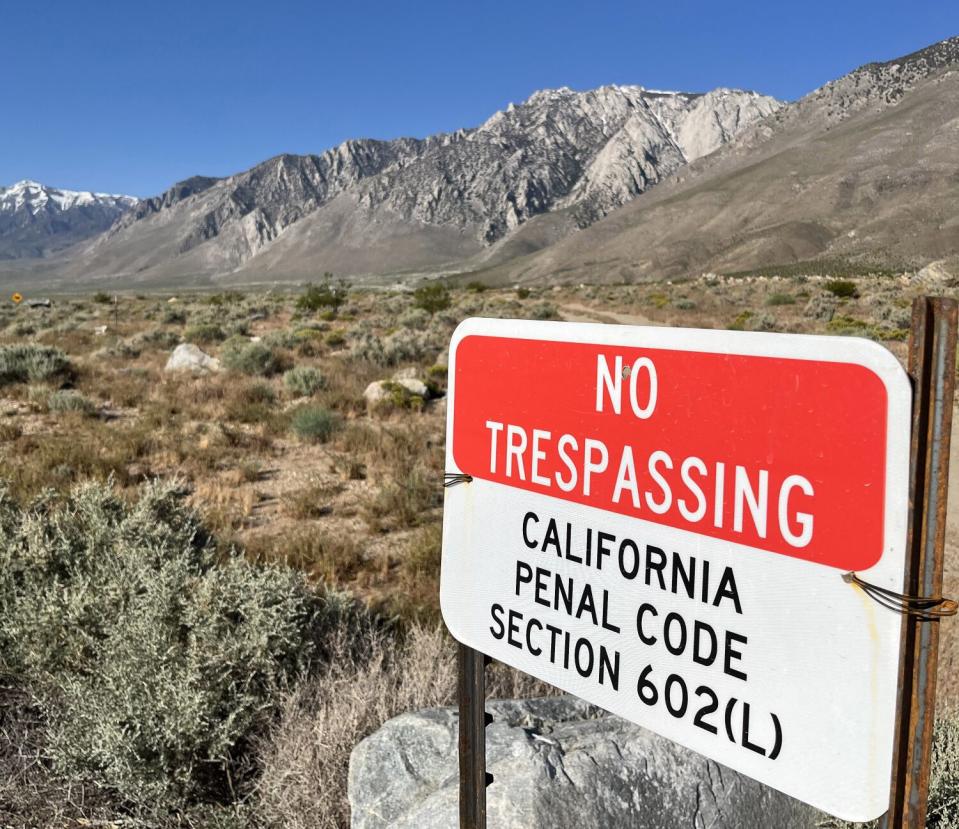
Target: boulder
<point>413,386</point>
<point>557,763</point>
<point>397,390</point>
<point>187,357</point>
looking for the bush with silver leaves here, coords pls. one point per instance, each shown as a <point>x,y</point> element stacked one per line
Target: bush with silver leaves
<point>153,660</point>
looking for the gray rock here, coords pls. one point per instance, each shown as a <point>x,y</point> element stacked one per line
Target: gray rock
<point>381,390</point>
<point>187,357</point>
<point>557,763</point>
<point>408,373</point>
<point>413,386</point>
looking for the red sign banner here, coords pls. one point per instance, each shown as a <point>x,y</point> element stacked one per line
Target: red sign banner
<point>774,453</point>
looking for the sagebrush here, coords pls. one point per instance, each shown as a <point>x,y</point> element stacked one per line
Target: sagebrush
<point>153,661</point>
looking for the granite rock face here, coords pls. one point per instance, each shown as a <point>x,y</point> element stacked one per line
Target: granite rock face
<point>557,763</point>
<point>368,204</point>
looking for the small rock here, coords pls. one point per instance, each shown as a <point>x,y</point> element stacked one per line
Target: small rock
<point>187,357</point>
<point>100,330</point>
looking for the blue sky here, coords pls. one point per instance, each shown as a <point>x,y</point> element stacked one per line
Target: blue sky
<point>131,97</point>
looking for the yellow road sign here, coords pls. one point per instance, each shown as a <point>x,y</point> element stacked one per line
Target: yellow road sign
<point>16,299</point>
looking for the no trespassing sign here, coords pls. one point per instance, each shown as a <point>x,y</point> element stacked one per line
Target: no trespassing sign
<point>659,520</point>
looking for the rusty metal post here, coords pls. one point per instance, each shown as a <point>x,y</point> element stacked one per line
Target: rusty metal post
<point>471,669</point>
<point>932,355</point>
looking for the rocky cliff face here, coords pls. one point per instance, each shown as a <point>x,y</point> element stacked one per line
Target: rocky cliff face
<point>588,151</point>
<point>36,220</point>
<point>861,169</point>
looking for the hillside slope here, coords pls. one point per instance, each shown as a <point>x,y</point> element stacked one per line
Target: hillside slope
<point>384,207</point>
<point>865,168</point>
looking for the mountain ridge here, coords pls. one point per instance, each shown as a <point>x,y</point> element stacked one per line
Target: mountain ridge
<point>430,201</point>
<point>37,220</point>
<point>857,169</point>
<point>618,182</point>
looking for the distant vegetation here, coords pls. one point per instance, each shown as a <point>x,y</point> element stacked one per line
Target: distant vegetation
<point>432,297</point>
<point>328,295</point>
<point>839,268</point>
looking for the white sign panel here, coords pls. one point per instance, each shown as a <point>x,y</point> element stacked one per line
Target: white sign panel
<point>658,522</point>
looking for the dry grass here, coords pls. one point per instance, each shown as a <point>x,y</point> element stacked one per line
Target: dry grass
<point>370,678</point>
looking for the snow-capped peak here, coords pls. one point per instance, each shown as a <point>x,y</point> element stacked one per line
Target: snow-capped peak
<point>35,197</point>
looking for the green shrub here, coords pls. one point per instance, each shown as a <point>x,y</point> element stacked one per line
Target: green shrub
<point>68,400</point>
<point>325,296</point>
<point>314,423</point>
<point>775,299</point>
<point>173,316</point>
<point>432,297</point>
<point>153,660</point>
<point>842,288</point>
<point>226,298</point>
<point>544,311</point>
<point>102,297</point>
<point>32,363</point>
<point>251,404</point>
<point>255,359</point>
<point>204,333</point>
<point>402,346</point>
<point>522,293</point>
<point>739,323</point>
<point>304,381</point>
<point>399,397</point>
<point>475,286</point>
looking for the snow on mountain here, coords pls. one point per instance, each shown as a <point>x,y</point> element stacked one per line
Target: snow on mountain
<point>36,220</point>
<point>36,197</point>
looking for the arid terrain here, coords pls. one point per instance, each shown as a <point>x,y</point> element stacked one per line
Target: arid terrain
<point>314,441</point>
<point>282,453</point>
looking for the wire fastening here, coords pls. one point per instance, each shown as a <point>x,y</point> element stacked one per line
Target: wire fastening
<point>454,478</point>
<point>922,608</point>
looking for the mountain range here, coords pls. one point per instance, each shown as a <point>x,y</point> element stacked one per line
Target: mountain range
<point>36,220</point>
<point>618,183</point>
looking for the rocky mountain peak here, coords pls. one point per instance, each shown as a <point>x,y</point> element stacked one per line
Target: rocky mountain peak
<point>585,151</point>
<point>36,219</point>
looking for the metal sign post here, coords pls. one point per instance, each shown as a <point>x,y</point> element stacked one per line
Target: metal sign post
<point>471,668</point>
<point>932,357</point>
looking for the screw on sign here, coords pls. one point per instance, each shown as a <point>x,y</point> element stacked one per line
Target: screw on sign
<point>696,530</point>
